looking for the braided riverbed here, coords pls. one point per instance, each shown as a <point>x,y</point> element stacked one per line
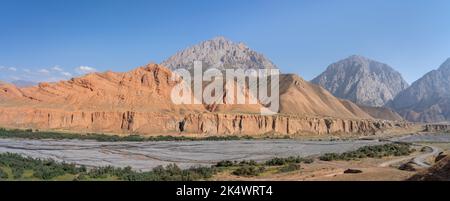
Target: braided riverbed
<point>147,155</point>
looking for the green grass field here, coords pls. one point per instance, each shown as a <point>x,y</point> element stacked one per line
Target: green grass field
<point>35,134</point>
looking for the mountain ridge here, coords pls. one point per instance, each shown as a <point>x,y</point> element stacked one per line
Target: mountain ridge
<point>362,80</point>
<point>220,53</point>
<point>428,98</point>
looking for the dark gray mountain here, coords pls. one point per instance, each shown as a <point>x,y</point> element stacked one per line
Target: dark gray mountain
<point>362,80</point>
<point>219,53</point>
<point>428,99</point>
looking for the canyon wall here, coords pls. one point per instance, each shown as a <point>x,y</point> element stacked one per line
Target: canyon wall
<point>147,123</point>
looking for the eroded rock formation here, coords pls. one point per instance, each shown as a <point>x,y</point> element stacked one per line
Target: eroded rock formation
<point>138,102</point>
<point>199,123</point>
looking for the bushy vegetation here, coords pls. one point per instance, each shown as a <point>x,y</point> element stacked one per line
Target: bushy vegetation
<point>249,162</point>
<point>252,168</point>
<point>169,173</point>
<point>289,167</point>
<point>225,163</point>
<point>30,134</point>
<point>49,169</point>
<point>291,159</point>
<point>42,169</point>
<point>376,151</point>
<point>3,174</point>
<point>249,170</point>
<point>271,162</point>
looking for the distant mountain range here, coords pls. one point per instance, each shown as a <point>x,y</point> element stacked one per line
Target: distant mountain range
<point>24,83</point>
<point>371,83</point>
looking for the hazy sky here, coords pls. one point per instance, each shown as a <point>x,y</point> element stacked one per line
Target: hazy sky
<point>52,40</point>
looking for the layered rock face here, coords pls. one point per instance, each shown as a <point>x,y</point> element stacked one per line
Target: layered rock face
<point>219,53</point>
<point>361,80</point>
<point>428,99</point>
<point>225,124</point>
<point>138,102</point>
<point>149,123</point>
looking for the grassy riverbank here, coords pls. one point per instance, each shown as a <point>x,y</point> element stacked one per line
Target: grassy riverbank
<point>17,167</point>
<point>376,151</point>
<point>31,134</point>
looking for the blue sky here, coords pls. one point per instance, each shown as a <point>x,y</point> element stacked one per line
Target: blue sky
<point>54,39</point>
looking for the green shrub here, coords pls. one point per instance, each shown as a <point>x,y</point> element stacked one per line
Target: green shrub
<point>289,167</point>
<point>42,169</point>
<point>329,157</point>
<point>248,171</point>
<point>291,159</point>
<point>49,169</point>
<point>250,162</point>
<point>3,174</point>
<point>169,173</point>
<point>30,134</point>
<point>308,160</point>
<point>376,151</point>
<point>225,163</point>
<point>276,161</point>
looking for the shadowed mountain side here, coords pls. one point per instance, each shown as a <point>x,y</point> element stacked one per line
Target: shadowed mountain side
<point>427,99</point>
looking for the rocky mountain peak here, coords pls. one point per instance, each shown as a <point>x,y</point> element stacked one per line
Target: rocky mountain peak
<point>445,65</point>
<point>428,98</point>
<point>362,80</point>
<point>220,53</point>
<point>358,58</point>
